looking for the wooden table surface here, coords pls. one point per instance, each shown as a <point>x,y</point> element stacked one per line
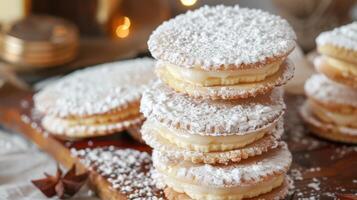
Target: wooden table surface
<point>320,169</point>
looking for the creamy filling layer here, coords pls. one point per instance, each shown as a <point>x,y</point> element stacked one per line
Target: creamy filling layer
<point>198,191</point>
<point>333,117</point>
<point>212,78</point>
<point>206,143</point>
<point>345,67</point>
<point>100,119</point>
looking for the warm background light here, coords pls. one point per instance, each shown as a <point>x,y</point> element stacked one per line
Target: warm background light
<point>123,29</point>
<point>188,2</point>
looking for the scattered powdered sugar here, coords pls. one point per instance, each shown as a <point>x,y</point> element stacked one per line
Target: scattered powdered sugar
<point>129,171</point>
<point>207,117</point>
<point>314,169</point>
<point>323,89</point>
<point>341,152</point>
<point>296,174</point>
<point>296,133</point>
<point>311,189</point>
<point>315,184</point>
<point>222,37</point>
<point>249,171</point>
<point>344,36</point>
<point>96,90</point>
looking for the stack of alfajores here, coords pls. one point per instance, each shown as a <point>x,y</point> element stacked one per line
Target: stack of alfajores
<point>214,119</point>
<point>331,108</point>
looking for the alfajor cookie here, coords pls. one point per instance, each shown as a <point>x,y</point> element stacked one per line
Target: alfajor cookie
<point>248,179</point>
<point>331,109</point>
<point>96,101</point>
<point>269,141</point>
<point>206,125</point>
<point>223,52</point>
<point>339,54</point>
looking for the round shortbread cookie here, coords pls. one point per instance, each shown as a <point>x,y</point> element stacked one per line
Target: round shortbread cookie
<point>222,38</point>
<point>276,194</point>
<point>98,90</point>
<point>335,72</point>
<point>326,130</point>
<point>241,90</point>
<point>323,89</point>
<point>339,43</point>
<point>268,142</point>
<point>62,129</point>
<point>208,117</point>
<point>247,179</point>
<point>330,94</point>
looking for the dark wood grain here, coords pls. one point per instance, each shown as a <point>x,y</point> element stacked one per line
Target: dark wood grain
<point>320,169</point>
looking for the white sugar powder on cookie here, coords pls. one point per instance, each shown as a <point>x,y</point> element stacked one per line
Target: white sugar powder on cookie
<point>222,37</point>
<point>207,117</point>
<point>96,90</point>
<point>323,89</point>
<point>344,36</point>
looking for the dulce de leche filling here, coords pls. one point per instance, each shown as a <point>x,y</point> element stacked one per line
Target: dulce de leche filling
<point>215,78</point>
<point>101,119</point>
<point>345,67</point>
<point>206,143</point>
<point>196,191</point>
<point>329,116</point>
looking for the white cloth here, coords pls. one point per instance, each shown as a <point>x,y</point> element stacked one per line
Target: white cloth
<point>21,162</point>
<point>303,70</point>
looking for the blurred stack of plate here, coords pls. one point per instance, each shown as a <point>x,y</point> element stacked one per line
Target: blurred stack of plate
<point>38,41</point>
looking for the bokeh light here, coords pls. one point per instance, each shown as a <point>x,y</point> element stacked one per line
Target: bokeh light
<point>188,2</point>
<point>123,29</point>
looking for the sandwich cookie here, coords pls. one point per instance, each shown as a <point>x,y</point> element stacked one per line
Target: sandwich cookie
<point>248,179</point>
<point>223,52</point>
<point>331,109</point>
<point>278,193</point>
<point>171,150</point>
<point>206,125</point>
<point>339,54</point>
<point>96,101</point>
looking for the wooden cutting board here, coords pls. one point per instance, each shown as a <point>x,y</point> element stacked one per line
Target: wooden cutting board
<point>320,169</point>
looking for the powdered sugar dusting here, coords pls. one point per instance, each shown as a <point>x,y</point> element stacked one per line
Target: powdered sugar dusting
<point>221,37</point>
<point>344,36</point>
<point>207,117</point>
<point>323,89</point>
<point>96,90</point>
<point>314,185</point>
<point>253,170</point>
<point>129,171</point>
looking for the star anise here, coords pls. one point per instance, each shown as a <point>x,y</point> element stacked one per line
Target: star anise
<point>346,196</point>
<point>63,186</point>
